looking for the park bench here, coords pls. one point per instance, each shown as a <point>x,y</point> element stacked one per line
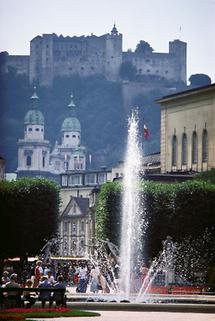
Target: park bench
<point>17,300</point>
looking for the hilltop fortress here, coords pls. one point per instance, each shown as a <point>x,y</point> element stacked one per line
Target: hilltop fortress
<point>52,56</point>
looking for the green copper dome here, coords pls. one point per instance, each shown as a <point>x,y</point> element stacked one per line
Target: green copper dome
<point>34,117</point>
<point>71,124</point>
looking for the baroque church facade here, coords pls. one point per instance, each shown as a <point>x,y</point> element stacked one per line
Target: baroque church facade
<point>35,157</point>
<point>58,56</point>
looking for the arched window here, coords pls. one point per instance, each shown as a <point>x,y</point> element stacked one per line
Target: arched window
<point>74,247</point>
<point>184,149</point>
<point>28,160</point>
<point>205,146</point>
<point>174,150</point>
<point>194,148</point>
<point>82,246</point>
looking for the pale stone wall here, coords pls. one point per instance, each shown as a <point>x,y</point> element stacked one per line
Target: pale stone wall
<point>170,66</point>
<point>66,193</point>
<point>35,63</point>
<point>52,56</point>
<point>186,113</point>
<point>20,63</point>
<point>34,132</point>
<point>156,64</point>
<point>37,150</point>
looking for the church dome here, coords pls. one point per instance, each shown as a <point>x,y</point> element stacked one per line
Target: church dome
<point>71,124</point>
<point>34,117</point>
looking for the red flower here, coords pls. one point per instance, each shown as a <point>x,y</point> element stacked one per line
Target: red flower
<point>26,310</point>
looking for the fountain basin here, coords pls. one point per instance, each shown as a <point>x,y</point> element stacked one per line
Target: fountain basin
<point>159,307</point>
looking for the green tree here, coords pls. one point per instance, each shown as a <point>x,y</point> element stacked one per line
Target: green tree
<point>29,215</point>
<point>143,47</point>
<point>199,80</point>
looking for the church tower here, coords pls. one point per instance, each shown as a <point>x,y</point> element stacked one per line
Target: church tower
<point>33,150</point>
<point>69,155</point>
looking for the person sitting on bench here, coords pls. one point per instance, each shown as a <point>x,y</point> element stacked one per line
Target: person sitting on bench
<point>59,297</point>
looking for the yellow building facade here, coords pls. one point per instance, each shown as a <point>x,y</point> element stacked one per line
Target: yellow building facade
<point>188,130</point>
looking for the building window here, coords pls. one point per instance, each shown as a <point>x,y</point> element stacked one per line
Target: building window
<point>74,180</point>
<point>184,149</point>
<point>82,245</point>
<point>65,227</point>
<point>64,180</point>
<point>37,129</point>
<point>30,129</point>
<point>174,150</point>
<point>28,160</point>
<point>194,148</point>
<point>66,165</point>
<point>74,136</point>
<point>73,228</point>
<point>90,179</point>
<point>74,246</point>
<point>43,161</point>
<point>205,146</point>
<point>102,178</point>
<point>67,136</point>
<point>78,162</point>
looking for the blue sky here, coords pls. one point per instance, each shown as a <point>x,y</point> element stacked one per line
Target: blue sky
<point>155,21</point>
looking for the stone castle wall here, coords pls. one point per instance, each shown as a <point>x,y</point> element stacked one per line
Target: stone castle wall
<point>170,66</point>
<point>20,63</point>
<point>52,55</point>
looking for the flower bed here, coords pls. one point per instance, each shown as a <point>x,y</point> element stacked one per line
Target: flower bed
<point>21,313</point>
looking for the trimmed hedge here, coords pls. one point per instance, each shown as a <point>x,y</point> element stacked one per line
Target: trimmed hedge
<point>184,211</point>
<point>108,212</point>
<point>29,214</point>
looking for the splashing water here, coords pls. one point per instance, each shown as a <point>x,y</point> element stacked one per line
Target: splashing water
<point>130,246</point>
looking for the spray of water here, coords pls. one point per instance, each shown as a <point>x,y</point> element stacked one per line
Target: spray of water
<point>130,246</point>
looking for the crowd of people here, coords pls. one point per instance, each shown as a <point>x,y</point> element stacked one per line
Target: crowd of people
<point>83,275</point>
<point>39,276</point>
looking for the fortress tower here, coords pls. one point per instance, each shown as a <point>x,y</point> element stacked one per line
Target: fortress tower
<point>178,49</point>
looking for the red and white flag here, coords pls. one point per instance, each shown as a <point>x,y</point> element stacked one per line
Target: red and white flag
<point>146,132</point>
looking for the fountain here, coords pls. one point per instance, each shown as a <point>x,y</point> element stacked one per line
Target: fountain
<point>132,226</point>
<point>131,254</point>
